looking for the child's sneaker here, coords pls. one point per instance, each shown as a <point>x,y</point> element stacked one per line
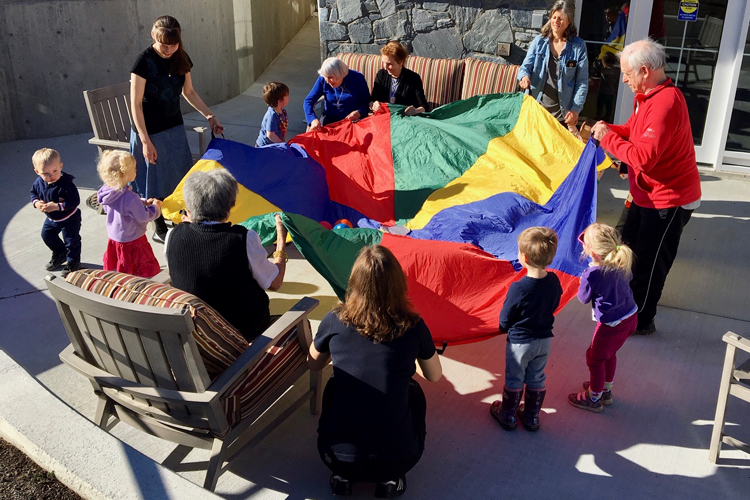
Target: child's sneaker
<point>69,267</point>
<point>607,398</point>
<point>583,401</point>
<point>340,486</point>
<point>391,489</point>
<point>57,260</point>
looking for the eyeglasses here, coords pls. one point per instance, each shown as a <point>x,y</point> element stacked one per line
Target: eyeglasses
<point>580,239</point>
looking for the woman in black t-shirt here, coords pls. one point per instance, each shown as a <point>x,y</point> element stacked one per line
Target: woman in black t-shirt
<point>158,141</point>
<point>372,426</point>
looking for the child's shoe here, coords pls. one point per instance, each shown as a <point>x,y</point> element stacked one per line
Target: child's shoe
<point>57,260</point>
<point>528,412</point>
<point>583,401</point>
<point>69,267</point>
<point>340,486</point>
<point>505,411</point>
<point>607,398</point>
<point>391,489</point>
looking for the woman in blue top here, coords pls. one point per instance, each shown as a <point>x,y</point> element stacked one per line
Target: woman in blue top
<point>556,68</point>
<point>346,94</point>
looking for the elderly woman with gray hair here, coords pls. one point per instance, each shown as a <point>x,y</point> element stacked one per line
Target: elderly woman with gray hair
<point>224,265</point>
<point>345,91</point>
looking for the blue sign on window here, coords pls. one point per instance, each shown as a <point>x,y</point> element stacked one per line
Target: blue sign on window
<point>688,10</point>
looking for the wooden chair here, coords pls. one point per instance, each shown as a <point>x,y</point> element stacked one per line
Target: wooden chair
<point>735,381</point>
<point>111,119</point>
<point>145,367</point>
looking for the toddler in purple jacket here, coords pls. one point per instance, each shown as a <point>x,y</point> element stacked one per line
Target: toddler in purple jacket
<point>128,249</point>
<point>606,284</point>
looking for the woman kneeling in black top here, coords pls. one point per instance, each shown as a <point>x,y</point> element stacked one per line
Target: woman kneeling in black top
<point>396,84</point>
<point>372,427</point>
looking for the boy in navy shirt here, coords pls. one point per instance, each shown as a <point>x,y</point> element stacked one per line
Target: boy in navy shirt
<point>55,195</point>
<point>527,317</point>
<point>275,122</point>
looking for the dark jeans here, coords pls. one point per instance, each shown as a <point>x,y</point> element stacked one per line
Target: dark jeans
<point>71,231</point>
<point>377,469</point>
<point>654,236</point>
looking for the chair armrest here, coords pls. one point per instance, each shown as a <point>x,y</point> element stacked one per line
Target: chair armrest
<point>202,138</point>
<point>252,354</point>
<point>163,277</point>
<point>109,144</point>
<point>106,379</point>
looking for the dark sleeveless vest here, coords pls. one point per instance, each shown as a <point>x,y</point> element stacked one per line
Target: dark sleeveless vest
<point>210,261</point>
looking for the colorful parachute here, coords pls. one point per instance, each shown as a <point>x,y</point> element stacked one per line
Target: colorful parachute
<point>448,192</point>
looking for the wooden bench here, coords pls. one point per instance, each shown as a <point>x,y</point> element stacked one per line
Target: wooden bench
<point>735,381</point>
<point>445,80</point>
<point>148,364</point>
<point>111,119</point>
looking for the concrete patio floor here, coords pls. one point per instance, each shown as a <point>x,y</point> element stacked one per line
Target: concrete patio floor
<point>652,443</point>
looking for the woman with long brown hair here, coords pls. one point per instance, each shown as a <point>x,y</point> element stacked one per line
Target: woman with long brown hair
<point>372,427</point>
<point>158,141</point>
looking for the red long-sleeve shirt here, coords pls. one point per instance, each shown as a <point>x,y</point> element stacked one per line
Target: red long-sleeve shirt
<point>657,144</point>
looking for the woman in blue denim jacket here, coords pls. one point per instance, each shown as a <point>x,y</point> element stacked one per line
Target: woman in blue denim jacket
<point>556,68</point>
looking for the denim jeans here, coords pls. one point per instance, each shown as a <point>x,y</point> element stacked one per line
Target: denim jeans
<point>71,231</point>
<point>524,364</point>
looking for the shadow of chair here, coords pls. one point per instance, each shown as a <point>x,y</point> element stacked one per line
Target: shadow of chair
<point>146,366</point>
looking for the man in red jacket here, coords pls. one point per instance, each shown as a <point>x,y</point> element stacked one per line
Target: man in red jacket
<point>657,145</point>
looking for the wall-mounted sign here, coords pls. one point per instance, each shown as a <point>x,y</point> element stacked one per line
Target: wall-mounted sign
<point>688,10</point>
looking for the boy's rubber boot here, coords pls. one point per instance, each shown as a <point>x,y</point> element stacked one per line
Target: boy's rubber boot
<point>529,411</point>
<point>507,417</point>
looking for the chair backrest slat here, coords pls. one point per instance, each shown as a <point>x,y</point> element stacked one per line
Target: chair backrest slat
<point>117,350</point>
<point>174,348</point>
<point>96,341</point>
<point>114,112</point>
<point>131,339</point>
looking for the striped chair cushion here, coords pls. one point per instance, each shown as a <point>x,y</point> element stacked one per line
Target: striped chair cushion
<point>219,343</point>
<point>279,360</point>
<point>441,78</point>
<point>367,64</point>
<point>482,77</point>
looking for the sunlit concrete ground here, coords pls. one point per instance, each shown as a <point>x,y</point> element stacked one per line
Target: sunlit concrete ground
<point>652,442</point>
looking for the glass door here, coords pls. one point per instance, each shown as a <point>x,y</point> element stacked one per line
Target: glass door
<point>693,50</point>
<point>738,137</point>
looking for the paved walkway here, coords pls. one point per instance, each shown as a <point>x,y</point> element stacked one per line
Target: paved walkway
<point>652,442</point>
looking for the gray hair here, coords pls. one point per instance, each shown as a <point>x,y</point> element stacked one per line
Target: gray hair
<point>646,53</point>
<point>333,66</point>
<point>209,196</point>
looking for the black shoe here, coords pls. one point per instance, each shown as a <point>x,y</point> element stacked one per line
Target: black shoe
<point>57,260</point>
<point>69,267</point>
<point>340,486</point>
<point>159,238</point>
<point>649,329</point>
<point>391,489</point>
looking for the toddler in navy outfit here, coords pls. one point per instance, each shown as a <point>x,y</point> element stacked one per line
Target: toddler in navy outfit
<point>527,317</point>
<point>275,122</point>
<point>55,195</point>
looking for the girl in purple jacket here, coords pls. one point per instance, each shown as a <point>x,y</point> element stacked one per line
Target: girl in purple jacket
<point>128,249</point>
<point>606,284</point>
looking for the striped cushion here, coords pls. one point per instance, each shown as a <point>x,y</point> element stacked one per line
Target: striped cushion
<point>367,64</point>
<point>482,77</point>
<point>219,343</point>
<point>441,78</point>
<point>279,360</point>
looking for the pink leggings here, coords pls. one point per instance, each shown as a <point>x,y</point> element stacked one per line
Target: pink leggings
<point>601,356</point>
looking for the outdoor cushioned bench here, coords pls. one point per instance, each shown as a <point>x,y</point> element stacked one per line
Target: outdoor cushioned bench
<point>163,361</point>
<point>445,80</point>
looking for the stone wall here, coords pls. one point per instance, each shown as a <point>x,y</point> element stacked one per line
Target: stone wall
<point>442,29</point>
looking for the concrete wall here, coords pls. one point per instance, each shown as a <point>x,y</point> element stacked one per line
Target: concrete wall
<point>50,51</point>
